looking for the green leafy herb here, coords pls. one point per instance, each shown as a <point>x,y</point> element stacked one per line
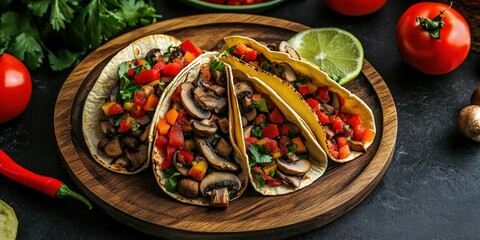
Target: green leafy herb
<point>217,65</point>
<point>349,138</point>
<point>229,51</point>
<point>171,50</point>
<point>172,181</point>
<point>258,155</point>
<point>136,126</point>
<point>232,193</point>
<point>280,69</point>
<point>292,149</point>
<point>257,131</point>
<point>260,179</point>
<point>346,127</point>
<point>129,88</point>
<point>65,30</point>
<point>266,66</point>
<point>120,119</point>
<point>123,69</point>
<point>302,80</point>
<point>303,156</point>
<point>261,105</point>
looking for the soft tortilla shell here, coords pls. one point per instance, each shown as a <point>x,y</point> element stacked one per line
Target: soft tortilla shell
<point>317,156</point>
<point>92,111</point>
<point>353,104</point>
<point>158,156</point>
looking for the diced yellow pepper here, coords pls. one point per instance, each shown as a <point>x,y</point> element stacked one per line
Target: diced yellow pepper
<point>128,105</point>
<point>153,83</point>
<point>107,106</point>
<point>270,168</point>
<point>189,57</point>
<point>261,141</point>
<point>276,155</point>
<point>300,146</point>
<point>189,145</point>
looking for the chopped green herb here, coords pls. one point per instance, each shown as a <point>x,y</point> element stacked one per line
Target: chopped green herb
<point>346,127</point>
<point>179,164</point>
<point>303,80</point>
<point>171,50</point>
<point>257,131</point>
<point>261,105</point>
<point>137,70</point>
<point>120,119</point>
<point>163,84</point>
<point>272,173</point>
<point>258,156</point>
<point>123,69</point>
<point>303,156</point>
<point>172,181</point>
<point>230,51</point>
<point>266,66</point>
<point>349,138</point>
<point>136,126</point>
<point>280,69</point>
<point>170,171</point>
<point>261,180</point>
<point>292,149</point>
<point>217,65</point>
<point>232,193</point>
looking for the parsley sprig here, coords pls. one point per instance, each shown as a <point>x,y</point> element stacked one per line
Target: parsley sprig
<point>65,30</point>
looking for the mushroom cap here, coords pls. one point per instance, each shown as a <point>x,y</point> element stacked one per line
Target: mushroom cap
<point>243,89</point>
<point>296,168</point>
<point>288,72</point>
<point>216,180</point>
<point>213,159</point>
<point>468,122</point>
<point>290,180</point>
<point>203,130</point>
<point>190,104</point>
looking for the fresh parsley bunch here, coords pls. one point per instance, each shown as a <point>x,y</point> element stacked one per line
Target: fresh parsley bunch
<point>65,30</point>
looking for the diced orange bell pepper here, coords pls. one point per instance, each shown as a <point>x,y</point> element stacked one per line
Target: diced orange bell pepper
<point>171,116</point>
<point>369,135</point>
<point>151,102</point>
<point>270,168</point>
<point>198,170</point>
<point>300,146</point>
<point>189,57</point>
<point>344,152</point>
<point>163,127</point>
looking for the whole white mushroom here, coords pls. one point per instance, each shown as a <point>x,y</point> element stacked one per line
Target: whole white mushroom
<point>468,122</point>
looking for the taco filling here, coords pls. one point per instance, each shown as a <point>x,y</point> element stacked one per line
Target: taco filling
<point>345,132</point>
<point>194,138</point>
<point>129,109</point>
<point>275,147</point>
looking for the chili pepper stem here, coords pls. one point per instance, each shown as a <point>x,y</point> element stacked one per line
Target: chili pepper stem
<point>65,192</point>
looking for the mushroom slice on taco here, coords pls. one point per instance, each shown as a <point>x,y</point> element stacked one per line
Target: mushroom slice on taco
<point>194,158</point>
<point>347,122</point>
<point>282,152</point>
<point>118,110</point>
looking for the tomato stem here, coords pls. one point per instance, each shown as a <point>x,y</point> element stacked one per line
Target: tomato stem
<point>434,25</point>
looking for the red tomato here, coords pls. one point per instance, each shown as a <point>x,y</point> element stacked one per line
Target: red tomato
<point>188,46</point>
<point>322,94</point>
<point>312,102</point>
<point>270,131</point>
<point>322,117</point>
<point>344,152</point>
<point>250,55</point>
<point>146,76</point>
<point>158,66</point>
<point>116,108</point>
<point>171,69</point>
<point>137,111</point>
<point>175,137</point>
<point>168,161</point>
<point>250,140</point>
<point>185,157</point>
<point>276,116</point>
<point>126,124</point>
<point>261,118</point>
<point>270,145</point>
<point>355,7</point>
<point>426,53</point>
<point>15,87</point>
<point>284,130</point>
<point>140,97</point>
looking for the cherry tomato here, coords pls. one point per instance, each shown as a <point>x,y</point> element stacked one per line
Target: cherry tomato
<point>355,7</point>
<point>424,52</point>
<point>15,87</point>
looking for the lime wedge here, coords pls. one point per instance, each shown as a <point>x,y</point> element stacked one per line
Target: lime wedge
<point>8,222</point>
<point>335,51</point>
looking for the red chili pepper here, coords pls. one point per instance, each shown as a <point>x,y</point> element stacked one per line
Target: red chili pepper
<point>47,185</point>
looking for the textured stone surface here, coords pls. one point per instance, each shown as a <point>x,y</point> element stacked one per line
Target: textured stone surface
<point>430,191</point>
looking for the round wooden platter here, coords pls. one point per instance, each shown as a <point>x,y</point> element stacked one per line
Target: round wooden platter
<point>137,201</point>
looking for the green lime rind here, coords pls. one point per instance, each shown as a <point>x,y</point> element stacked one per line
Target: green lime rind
<point>8,222</point>
<point>335,51</point>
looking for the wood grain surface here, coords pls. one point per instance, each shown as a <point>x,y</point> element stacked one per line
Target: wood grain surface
<point>138,202</point>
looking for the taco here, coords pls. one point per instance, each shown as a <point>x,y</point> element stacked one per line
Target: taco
<point>118,110</point>
<point>281,151</point>
<point>347,123</point>
<point>194,158</point>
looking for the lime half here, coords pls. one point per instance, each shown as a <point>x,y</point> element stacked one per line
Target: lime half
<point>335,51</point>
<point>8,222</point>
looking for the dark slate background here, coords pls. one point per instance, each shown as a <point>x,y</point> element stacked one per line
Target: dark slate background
<point>430,191</point>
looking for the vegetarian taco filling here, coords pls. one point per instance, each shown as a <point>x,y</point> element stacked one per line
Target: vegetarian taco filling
<point>275,147</point>
<point>129,108</point>
<point>344,131</point>
<point>194,134</point>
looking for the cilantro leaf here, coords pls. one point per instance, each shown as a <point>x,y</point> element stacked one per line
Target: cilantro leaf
<point>39,7</point>
<point>258,156</point>
<point>172,181</point>
<point>133,11</point>
<point>217,65</point>
<point>63,60</point>
<point>28,49</point>
<point>61,13</point>
<point>257,131</point>
<point>261,105</point>
<point>292,149</point>
<point>260,179</point>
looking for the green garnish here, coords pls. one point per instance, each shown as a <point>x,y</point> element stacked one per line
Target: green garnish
<point>217,65</point>
<point>292,149</point>
<point>172,181</point>
<point>266,66</point>
<point>261,180</point>
<point>261,105</point>
<point>257,131</point>
<point>172,50</point>
<point>346,127</point>
<point>258,155</point>
<point>280,69</point>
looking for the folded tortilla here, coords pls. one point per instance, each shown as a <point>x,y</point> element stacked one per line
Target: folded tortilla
<point>353,104</point>
<point>317,156</point>
<point>106,81</point>
<point>159,156</point>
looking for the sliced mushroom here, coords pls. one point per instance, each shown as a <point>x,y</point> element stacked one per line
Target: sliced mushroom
<point>178,165</point>
<point>221,181</point>
<point>296,168</point>
<point>204,129</point>
<point>243,89</point>
<point>247,104</point>
<point>223,148</point>
<point>103,142</point>
<point>218,90</point>
<point>251,115</point>
<point>290,180</point>
<point>282,47</point>
<point>153,55</point>
<point>327,109</point>
<point>190,104</point>
<point>335,102</point>
<point>209,102</point>
<point>143,120</point>
<point>130,142</point>
<point>328,132</point>
<point>145,133</point>
<point>219,78</point>
<point>223,124</point>
<point>357,146</point>
<point>189,188</point>
<point>244,121</point>
<point>137,133</point>
<point>247,131</point>
<point>108,127</point>
<point>288,72</point>
<point>113,148</point>
<point>213,159</point>
<point>137,158</point>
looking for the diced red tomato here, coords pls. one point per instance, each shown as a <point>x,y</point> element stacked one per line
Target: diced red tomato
<point>176,96</point>
<point>161,143</point>
<point>145,76</point>
<point>312,102</point>
<point>126,124</point>
<point>282,143</point>
<point>158,66</point>
<point>188,46</point>
<point>250,140</point>
<point>183,119</point>
<point>274,182</point>
<point>185,157</point>
<point>342,141</point>
<point>338,125</point>
<point>270,104</point>
<point>241,49</point>
<point>276,116</point>
<point>284,130</point>
<point>358,132</point>
<point>354,120</point>
<point>333,149</point>
<point>175,137</point>
<point>140,97</point>
<point>168,161</point>
<point>130,72</point>
<point>322,117</point>
<point>115,109</point>
<point>322,94</point>
<point>172,69</point>
<point>304,90</point>
<point>369,135</point>
<point>250,56</point>
<point>344,152</point>
<point>342,100</point>
<point>137,111</point>
<point>206,74</point>
<point>270,131</point>
<point>270,145</point>
<point>261,118</point>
